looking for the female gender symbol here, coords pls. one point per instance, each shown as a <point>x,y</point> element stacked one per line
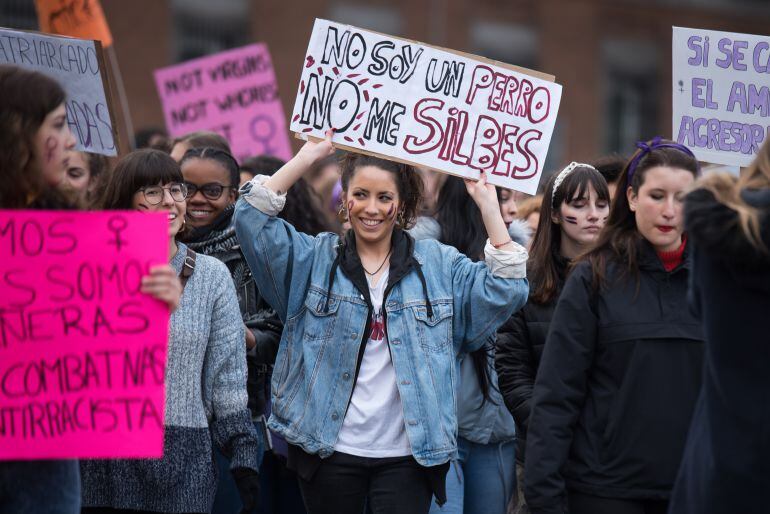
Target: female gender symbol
<point>117,224</point>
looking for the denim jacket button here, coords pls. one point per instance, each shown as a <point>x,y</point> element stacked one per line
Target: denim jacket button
<point>346,375</point>
<point>395,341</point>
<point>353,336</point>
<point>335,416</point>
<point>412,422</point>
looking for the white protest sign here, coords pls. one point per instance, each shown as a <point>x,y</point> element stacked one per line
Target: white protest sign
<point>414,103</point>
<point>77,65</point>
<point>721,99</point>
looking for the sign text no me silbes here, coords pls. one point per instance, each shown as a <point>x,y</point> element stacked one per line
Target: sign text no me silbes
<point>405,100</point>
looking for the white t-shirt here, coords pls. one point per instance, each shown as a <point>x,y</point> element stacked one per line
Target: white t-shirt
<point>374,424</point>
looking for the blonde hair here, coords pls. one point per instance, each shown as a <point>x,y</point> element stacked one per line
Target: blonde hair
<point>529,206</point>
<point>727,191</point>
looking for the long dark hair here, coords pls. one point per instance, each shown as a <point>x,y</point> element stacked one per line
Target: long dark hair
<point>543,271</point>
<point>463,228</point>
<point>26,98</point>
<point>620,238</point>
<point>460,219</point>
<point>136,170</point>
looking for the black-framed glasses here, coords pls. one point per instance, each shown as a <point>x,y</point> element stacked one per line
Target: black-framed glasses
<point>212,190</point>
<point>154,194</point>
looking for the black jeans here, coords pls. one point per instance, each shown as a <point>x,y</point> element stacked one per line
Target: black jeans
<point>580,503</point>
<point>343,483</point>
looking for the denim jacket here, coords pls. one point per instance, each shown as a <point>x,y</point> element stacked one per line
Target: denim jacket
<point>326,316</point>
<point>480,420</point>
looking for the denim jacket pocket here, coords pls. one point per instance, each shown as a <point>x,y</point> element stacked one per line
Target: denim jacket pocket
<point>434,332</point>
<point>319,316</point>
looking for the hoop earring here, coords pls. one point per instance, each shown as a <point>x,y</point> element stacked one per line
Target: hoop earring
<point>400,221</point>
<point>342,214</point>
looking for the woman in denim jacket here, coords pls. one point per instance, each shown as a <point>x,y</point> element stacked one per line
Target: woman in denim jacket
<point>365,378</point>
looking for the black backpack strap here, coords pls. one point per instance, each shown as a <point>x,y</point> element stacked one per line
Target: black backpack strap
<point>188,267</point>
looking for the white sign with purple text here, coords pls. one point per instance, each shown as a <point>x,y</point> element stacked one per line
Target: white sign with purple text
<point>721,94</point>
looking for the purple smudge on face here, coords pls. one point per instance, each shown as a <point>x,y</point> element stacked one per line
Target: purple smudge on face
<point>571,219</point>
<point>390,211</point>
<point>50,148</point>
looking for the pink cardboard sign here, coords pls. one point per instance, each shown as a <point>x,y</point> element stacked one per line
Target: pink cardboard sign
<point>233,93</point>
<point>82,351</point>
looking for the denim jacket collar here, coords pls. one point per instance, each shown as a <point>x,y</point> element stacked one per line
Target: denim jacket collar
<point>402,262</point>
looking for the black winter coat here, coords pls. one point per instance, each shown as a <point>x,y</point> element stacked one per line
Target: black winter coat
<point>616,387</point>
<point>726,464</point>
<point>518,351</point>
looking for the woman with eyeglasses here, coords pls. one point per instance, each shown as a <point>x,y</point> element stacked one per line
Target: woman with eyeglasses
<point>206,398</point>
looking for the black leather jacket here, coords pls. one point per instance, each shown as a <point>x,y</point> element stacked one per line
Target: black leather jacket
<point>218,240</point>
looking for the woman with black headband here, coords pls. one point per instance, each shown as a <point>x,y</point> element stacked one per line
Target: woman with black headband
<point>621,368</point>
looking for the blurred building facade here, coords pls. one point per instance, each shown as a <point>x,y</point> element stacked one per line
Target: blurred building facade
<point>613,57</point>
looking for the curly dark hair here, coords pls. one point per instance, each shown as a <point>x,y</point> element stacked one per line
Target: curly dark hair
<point>408,181</point>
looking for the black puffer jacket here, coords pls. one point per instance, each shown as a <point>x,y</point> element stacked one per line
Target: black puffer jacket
<point>726,464</point>
<point>616,388</point>
<point>218,240</point>
<point>518,351</point>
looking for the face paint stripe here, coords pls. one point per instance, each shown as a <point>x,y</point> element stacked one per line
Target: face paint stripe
<point>571,219</point>
<point>50,148</point>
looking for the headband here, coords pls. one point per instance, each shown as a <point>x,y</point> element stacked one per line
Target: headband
<point>657,142</point>
<point>563,174</point>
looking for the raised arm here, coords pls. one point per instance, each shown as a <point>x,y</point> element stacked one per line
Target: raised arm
<point>280,257</point>
<point>293,170</point>
<point>486,293</point>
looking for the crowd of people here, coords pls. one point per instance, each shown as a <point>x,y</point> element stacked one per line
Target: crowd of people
<point>350,334</point>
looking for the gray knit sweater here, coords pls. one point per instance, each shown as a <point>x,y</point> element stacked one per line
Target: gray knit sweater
<point>205,399</point>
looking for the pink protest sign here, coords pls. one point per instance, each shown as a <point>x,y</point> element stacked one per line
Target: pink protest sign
<point>233,93</point>
<point>82,351</point>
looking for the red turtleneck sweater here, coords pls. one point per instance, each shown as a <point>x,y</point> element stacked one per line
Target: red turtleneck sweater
<point>673,258</point>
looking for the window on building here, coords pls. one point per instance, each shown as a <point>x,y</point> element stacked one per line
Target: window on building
<point>203,27</point>
<point>631,93</point>
<point>379,18</point>
<point>18,14</point>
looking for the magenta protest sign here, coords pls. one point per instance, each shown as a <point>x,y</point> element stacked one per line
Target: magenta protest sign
<point>233,93</point>
<point>82,351</point>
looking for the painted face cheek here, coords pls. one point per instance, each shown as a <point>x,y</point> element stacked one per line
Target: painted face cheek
<point>571,219</point>
<point>391,211</point>
<point>51,144</point>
